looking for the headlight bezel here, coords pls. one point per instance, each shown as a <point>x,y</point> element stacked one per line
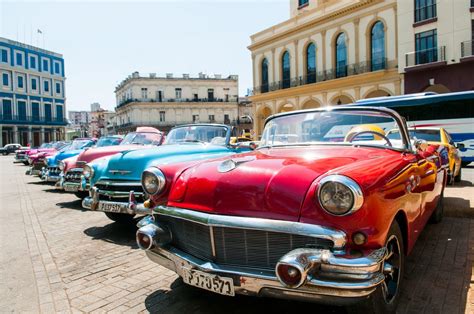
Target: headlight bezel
<point>160,177</point>
<point>88,174</point>
<point>351,185</point>
<point>61,165</point>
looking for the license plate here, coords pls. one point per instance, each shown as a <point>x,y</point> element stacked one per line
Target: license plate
<point>71,188</point>
<point>112,207</point>
<point>214,283</point>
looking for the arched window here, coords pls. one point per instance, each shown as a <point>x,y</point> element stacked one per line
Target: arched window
<point>377,49</point>
<point>285,70</point>
<point>341,55</point>
<point>264,82</point>
<point>311,63</point>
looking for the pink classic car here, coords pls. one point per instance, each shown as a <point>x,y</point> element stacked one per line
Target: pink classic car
<point>22,155</point>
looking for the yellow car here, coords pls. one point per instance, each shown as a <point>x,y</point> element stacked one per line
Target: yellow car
<point>438,136</point>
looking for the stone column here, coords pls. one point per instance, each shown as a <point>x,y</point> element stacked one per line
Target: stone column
<point>30,136</point>
<point>54,135</point>
<point>42,135</point>
<point>15,134</point>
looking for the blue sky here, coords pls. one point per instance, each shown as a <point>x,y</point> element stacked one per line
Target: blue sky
<point>103,42</point>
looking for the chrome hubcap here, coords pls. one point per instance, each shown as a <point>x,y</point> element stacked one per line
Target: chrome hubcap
<point>391,269</point>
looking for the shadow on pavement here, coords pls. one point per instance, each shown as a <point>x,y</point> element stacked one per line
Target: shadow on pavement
<point>458,207</point>
<point>76,204</point>
<point>201,301</point>
<point>121,234</point>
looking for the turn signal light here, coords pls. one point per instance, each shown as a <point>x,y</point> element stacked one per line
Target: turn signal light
<point>359,238</point>
<point>147,204</point>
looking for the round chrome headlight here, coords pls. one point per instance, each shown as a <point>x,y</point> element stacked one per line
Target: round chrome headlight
<point>153,181</point>
<point>340,195</point>
<point>61,165</point>
<point>88,171</point>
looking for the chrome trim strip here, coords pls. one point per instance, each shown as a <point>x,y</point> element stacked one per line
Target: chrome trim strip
<point>298,228</point>
<point>119,183</point>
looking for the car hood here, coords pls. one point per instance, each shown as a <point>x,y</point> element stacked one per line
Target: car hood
<point>54,160</point>
<point>40,150</point>
<point>91,154</point>
<point>129,165</point>
<point>269,183</point>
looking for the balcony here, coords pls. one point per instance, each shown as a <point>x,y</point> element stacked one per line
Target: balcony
<point>467,49</point>
<point>170,124</point>
<point>321,76</point>
<point>187,100</point>
<point>433,56</point>
<point>31,120</point>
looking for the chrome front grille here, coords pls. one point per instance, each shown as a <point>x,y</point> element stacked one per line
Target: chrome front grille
<point>53,171</point>
<point>234,246</point>
<point>38,165</point>
<point>108,189</point>
<point>73,175</point>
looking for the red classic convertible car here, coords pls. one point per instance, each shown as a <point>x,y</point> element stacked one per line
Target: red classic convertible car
<point>326,209</point>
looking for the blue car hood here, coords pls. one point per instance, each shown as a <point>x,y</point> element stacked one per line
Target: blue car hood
<point>54,160</point>
<point>133,163</point>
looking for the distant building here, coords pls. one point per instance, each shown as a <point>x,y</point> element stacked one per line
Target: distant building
<point>435,45</point>
<point>164,102</point>
<point>80,121</point>
<point>95,107</point>
<point>32,94</point>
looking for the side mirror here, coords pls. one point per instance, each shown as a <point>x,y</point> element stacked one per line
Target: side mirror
<point>420,145</point>
<point>460,146</point>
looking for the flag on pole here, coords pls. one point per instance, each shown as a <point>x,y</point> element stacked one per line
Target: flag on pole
<point>39,31</point>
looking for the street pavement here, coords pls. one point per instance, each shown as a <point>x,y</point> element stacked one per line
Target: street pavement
<point>56,257</point>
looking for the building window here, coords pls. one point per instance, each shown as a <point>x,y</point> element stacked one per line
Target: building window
<point>19,59</point>
<point>341,55</point>
<point>20,81</point>
<point>377,48</point>
<point>45,65</point>
<point>57,67</point>
<point>34,84</point>
<point>210,94</point>
<point>425,10</point>
<point>285,69</point>
<point>302,3</point>
<point>7,109</point>
<point>144,93</point>
<point>264,82</point>
<point>59,113</point>
<point>33,61</point>
<point>4,55</point>
<point>178,93</point>
<point>226,119</point>
<point>58,88</point>
<point>47,112</point>
<point>35,111</point>
<point>311,63</point>
<point>195,118</point>
<point>21,110</point>
<point>46,86</point>
<point>212,118</point>
<point>426,47</point>
<point>162,116</point>
<point>5,79</point>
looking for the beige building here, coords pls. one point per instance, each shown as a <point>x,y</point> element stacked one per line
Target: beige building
<point>164,102</point>
<point>329,52</point>
<point>435,45</point>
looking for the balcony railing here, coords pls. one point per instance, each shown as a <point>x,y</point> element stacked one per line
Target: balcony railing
<point>467,48</point>
<point>321,76</point>
<point>127,101</point>
<point>172,123</point>
<point>33,120</point>
<point>425,12</point>
<point>426,56</point>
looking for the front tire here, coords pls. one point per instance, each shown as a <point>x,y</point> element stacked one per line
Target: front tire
<point>120,218</point>
<point>387,295</point>
<point>458,177</point>
<point>438,213</point>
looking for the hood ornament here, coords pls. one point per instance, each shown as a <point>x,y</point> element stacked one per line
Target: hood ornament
<point>226,166</point>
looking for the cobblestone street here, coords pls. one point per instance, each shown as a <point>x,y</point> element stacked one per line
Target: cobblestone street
<point>57,257</point>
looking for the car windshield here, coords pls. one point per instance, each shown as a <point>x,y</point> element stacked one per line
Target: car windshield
<point>420,134</point>
<point>214,134</point>
<point>337,127</point>
<point>142,138</point>
<point>108,141</point>
<point>59,145</point>
<point>65,147</point>
<point>79,144</point>
<point>46,145</point>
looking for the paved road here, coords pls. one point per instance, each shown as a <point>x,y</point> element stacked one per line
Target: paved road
<point>56,257</point>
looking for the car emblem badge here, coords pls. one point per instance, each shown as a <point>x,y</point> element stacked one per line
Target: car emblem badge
<point>119,171</point>
<point>226,166</point>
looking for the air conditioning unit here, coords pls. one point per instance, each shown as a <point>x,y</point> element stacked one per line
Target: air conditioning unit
<point>135,74</point>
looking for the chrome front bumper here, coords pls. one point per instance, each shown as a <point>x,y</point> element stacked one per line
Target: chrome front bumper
<point>46,176</point>
<point>21,159</point>
<point>92,202</point>
<point>333,277</point>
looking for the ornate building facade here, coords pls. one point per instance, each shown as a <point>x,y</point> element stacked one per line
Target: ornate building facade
<point>329,52</point>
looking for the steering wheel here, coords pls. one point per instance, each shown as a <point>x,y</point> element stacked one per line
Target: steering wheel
<point>356,134</point>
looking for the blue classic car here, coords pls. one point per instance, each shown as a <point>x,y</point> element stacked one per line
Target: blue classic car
<point>51,172</point>
<point>115,180</point>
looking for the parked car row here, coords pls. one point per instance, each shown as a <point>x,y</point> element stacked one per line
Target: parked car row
<point>324,209</point>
